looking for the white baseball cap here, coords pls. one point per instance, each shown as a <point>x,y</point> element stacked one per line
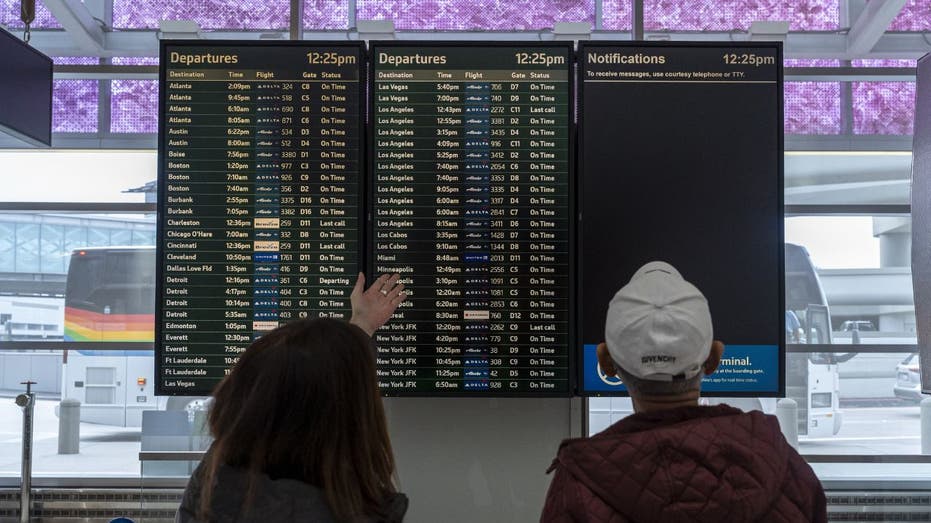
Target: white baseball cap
<point>658,325</point>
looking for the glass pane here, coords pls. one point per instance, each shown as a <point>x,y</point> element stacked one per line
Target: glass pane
<point>914,16</point>
<point>883,107</point>
<point>75,60</point>
<point>616,15</point>
<point>7,246</point>
<point>134,106</point>
<point>210,14</point>
<point>10,16</point>
<point>27,248</point>
<point>74,106</point>
<point>326,14</point>
<point>52,248</point>
<point>114,387</point>
<point>812,108</point>
<point>884,63</point>
<point>78,176</point>
<point>482,14</point>
<point>821,178</point>
<point>717,15</point>
<point>135,60</point>
<point>862,265</point>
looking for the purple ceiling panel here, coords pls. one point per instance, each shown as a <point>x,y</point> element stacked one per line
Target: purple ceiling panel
<point>492,15</point>
<point>9,16</point>
<point>812,108</point>
<point>210,14</point>
<point>810,62</point>
<point>326,14</point>
<point>725,15</point>
<point>616,15</point>
<point>883,107</point>
<point>75,60</point>
<point>914,16</point>
<point>133,106</point>
<point>74,106</point>
<point>135,60</point>
<point>885,63</point>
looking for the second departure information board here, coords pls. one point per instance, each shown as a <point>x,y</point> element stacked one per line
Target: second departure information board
<point>681,161</point>
<point>259,197</point>
<point>471,201</point>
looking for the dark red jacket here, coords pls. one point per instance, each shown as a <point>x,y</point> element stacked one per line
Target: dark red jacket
<point>704,464</point>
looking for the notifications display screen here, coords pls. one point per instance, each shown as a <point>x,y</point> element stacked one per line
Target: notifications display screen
<point>259,197</point>
<point>471,201</point>
<point>681,161</point>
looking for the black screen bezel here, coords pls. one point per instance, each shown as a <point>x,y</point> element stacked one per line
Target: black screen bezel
<point>573,271</point>
<point>164,46</point>
<point>780,137</point>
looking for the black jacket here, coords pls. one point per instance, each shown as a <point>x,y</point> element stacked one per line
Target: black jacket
<point>274,501</point>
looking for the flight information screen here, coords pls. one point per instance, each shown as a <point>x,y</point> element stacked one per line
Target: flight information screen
<point>259,197</point>
<point>471,201</point>
<point>681,161</point>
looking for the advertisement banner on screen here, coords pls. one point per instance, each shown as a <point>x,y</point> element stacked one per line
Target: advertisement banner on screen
<point>744,369</point>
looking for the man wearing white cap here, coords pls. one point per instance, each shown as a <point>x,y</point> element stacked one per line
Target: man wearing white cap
<point>673,460</point>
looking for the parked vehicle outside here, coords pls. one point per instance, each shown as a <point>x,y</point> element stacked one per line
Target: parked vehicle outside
<point>908,379</point>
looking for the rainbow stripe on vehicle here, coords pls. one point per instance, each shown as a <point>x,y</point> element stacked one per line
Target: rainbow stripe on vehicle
<point>83,325</point>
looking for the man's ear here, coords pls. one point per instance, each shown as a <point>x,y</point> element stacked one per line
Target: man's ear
<point>605,361</point>
<point>714,357</point>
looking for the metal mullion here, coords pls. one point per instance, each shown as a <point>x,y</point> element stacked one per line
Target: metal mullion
<point>846,106</point>
<point>103,103</point>
<point>636,18</point>
<point>599,14</point>
<point>296,20</point>
<point>847,209</point>
<point>866,348</point>
<point>78,207</point>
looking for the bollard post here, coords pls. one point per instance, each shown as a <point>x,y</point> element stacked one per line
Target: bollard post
<point>926,425</point>
<point>69,426</point>
<point>787,414</point>
<point>27,402</point>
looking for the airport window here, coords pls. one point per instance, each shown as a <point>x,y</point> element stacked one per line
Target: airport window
<point>866,311</point>
<point>74,106</point>
<point>812,108</point>
<point>131,103</point>
<point>914,16</point>
<point>9,16</point>
<point>883,107</point>
<point>616,15</point>
<point>714,15</point>
<point>445,15</point>
<point>209,14</point>
<point>326,14</point>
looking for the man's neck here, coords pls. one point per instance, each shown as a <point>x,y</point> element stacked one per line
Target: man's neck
<point>656,403</point>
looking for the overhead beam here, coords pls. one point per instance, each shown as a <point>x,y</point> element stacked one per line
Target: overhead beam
<point>849,74</point>
<point>798,45</point>
<point>869,27</point>
<point>108,72</point>
<point>85,32</point>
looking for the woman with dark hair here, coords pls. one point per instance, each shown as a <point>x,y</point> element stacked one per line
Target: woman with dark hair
<point>298,426</point>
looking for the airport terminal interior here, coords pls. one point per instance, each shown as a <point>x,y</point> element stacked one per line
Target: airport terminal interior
<point>197,172</point>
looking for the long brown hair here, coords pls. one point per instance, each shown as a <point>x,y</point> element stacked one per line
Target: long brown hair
<point>303,403</point>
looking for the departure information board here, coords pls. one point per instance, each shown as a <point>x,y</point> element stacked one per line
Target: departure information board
<point>259,197</point>
<point>471,201</point>
<point>681,161</point>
